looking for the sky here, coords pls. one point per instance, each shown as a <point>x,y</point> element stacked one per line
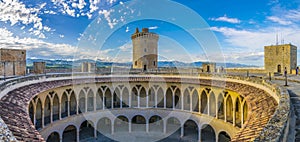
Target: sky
<point>234,31</point>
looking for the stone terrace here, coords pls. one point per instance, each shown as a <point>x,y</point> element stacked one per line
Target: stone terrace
<point>14,105</point>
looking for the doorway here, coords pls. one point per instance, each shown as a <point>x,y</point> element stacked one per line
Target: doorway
<point>279,68</point>
<point>208,69</point>
<point>145,67</point>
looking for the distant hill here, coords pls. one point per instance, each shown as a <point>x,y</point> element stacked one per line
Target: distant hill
<point>59,63</point>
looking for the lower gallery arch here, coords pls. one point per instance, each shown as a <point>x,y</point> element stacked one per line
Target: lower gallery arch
<point>86,131</point>
<point>138,123</point>
<point>223,137</point>
<point>191,131</point>
<point>220,106</point>
<point>69,134</point>
<point>156,124</point>
<point>204,100</point>
<point>173,129</point>
<point>121,124</point>
<point>104,127</point>
<point>160,98</point>
<point>53,137</point>
<point>229,109</point>
<point>208,133</point>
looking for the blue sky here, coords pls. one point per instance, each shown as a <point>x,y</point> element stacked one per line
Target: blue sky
<point>101,29</point>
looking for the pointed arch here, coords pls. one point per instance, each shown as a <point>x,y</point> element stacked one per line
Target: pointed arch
<point>169,98</point>
<point>177,98</point>
<point>195,101</point>
<point>55,108</point>
<point>204,100</point>
<point>143,97</point>
<point>151,97</point>
<point>134,97</point>
<point>212,104</point>
<point>238,112</point>
<point>116,98</point>
<point>160,98</point>
<point>99,99</point>
<point>186,100</point>
<point>73,104</point>
<point>229,109</point>
<point>107,99</point>
<point>81,102</point>
<point>38,114</point>
<point>245,112</point>
<point>90,100</point>
<point>125,98</point>
<point>31,111</point>
<point>47,111</point>
<point>220,106</point>
<point>64,105</point>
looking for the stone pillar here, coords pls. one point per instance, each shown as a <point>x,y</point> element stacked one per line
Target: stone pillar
<point>34,115</point>
<point>165,101</point>
<point>138,105</point>
<point>147,126</point>
<point>51,113</point>
<point>59,111</point>
<point>147,100</point>
<point>155,100</point>
<point>77,136</point>
<point>112,128</point>
<point>242,116</point>
<point>234,108</point>
<point>130,126</point>
<point>60,138</point>
<point>182,102</point>
<point>173,100</point>
<point>217,113</point>
<point>43,118</point>
<point>129,105</point>
<point>86,101</point>
<point>165,126</point>
<point>182,131</point>
<point>69,108</point>
<point>121,100</point>
<point>77,106</point>
<point>112,100</point>
<point>208,106</point>
<point>95,133</point>
<point>225,111</point>
<point>199,135</point>
<point>191,104</point>
<point>95,102</point>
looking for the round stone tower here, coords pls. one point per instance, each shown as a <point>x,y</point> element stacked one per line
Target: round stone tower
<point>144,49</point>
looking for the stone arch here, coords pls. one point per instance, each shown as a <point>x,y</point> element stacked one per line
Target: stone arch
<point>245,112</point>
<point>121,124</point>
<point>229,109</point>
<point>212,104</point>
<point>64,105</point>
<point>169,98</point>
<point>224,137</point>
<point>204,102</point>
<point>69,134</point>
<point>86,130</point>
<point>220,106</point>
<point>90,100</point>
<point>151,97</point>
<point>191,130</point>
<point>173,125</point>
<point>143,97</point>
<point>125,98</point>
<point>238,112</point>
<point>177,99</point>
<point>134,97</point>
<point>38,114</point>
<point>73,104</point>
<point>160,98</point>
<point>116,98</point>
<point>104,126</point>
<point>195,101</point>
<point>53,137</point>
<point>55,108</point>
<point>138,123</point>
<point>31,111</point>
<point>99,99</point>
<point>107,99</point>
<point>156,124</point>
<point>208,133</point>
<point>82,100</point>
<point>186,100</point>
<point>47,111</point>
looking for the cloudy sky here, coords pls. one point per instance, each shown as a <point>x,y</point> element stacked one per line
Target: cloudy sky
<point>232,31</point>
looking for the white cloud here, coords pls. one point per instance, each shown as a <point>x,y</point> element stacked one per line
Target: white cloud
<point>226,19</point>
<point>106,14</point>
<point>153,28</point>
<point>14,12</point>
<point>279,20</point>
<point>127,29</point>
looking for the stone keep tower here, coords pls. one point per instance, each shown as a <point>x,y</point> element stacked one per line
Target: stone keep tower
<point>144,49</point>
<point>277,57</point>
